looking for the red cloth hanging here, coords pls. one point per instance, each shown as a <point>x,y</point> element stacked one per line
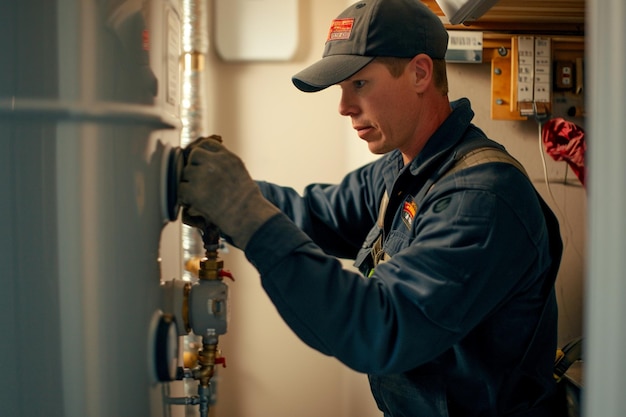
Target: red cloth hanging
<point>565,141</point>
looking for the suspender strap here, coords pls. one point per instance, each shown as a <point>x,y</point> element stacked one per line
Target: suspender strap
<point>384,202</point>
<point>483,156</point>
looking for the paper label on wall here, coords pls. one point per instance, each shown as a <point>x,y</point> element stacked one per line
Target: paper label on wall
<point>173,58</point>
<point>543,71</point>
<point>465,46</point>
<point>525,66</point>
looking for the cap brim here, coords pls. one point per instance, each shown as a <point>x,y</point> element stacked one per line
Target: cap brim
<point>328,71</point>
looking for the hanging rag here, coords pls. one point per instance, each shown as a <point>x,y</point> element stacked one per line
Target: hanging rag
<point>565,141</point>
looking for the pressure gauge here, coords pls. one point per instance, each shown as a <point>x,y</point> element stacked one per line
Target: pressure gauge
<point>163,355</point>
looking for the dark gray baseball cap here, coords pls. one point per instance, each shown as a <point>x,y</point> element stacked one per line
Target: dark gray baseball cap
<point>370,29</point>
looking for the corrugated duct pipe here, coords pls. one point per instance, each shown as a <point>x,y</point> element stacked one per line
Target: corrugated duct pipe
<point>193,114</point>
<point>193,111</point>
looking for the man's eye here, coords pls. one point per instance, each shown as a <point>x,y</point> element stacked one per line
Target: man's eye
<point>359,84</point>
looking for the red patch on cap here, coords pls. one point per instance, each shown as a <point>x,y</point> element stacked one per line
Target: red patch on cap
<point>340,29</point>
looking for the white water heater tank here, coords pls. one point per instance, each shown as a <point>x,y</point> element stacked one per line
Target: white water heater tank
<point>89,107</point>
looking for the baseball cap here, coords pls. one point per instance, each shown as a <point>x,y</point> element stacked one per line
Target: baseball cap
<point>370,29</point>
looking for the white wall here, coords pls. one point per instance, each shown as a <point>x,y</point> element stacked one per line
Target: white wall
<point>293,138</point>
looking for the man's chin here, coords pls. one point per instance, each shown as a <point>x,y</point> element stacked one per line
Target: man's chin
<point>376,149</point>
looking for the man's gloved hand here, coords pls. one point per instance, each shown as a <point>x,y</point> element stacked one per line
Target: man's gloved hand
<point>216,186</point>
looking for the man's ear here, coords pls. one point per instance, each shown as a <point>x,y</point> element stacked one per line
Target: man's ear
<point>422,69</point>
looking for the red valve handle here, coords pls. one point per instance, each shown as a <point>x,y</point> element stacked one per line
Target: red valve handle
<point>221,360</point>
<point>224,273</point>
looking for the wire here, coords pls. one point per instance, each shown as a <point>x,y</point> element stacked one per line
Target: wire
<point>545,167</point>
<point>560,213</point>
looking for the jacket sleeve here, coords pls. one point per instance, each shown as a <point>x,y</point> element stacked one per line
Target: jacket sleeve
<point>336,217</point>
<point>472,252</point>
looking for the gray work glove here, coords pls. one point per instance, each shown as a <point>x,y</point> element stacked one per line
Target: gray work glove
<point>216,186</point>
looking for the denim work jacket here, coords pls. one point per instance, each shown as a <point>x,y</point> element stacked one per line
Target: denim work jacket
<point>461,318</point>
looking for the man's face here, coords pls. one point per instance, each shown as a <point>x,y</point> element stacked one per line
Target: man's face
<point>384,110</point>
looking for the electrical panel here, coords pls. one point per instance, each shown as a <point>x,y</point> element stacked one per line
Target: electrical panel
<point>536,76</point>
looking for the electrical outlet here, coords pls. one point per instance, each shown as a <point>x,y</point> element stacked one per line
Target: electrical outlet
<point>564,79</point>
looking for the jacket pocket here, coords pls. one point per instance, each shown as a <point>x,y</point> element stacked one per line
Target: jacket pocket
<point>399,396</point>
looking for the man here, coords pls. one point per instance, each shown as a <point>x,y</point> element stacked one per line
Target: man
<point>454,314</point>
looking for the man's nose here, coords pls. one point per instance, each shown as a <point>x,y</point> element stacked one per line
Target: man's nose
<point>347,105</point>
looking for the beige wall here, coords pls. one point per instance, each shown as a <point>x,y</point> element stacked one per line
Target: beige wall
<point>294,138</point>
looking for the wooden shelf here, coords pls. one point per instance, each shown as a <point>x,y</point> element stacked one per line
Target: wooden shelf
<point>527,16</point>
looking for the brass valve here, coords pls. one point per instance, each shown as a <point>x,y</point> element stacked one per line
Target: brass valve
<point>210,266</point>
<point>206,363</point>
